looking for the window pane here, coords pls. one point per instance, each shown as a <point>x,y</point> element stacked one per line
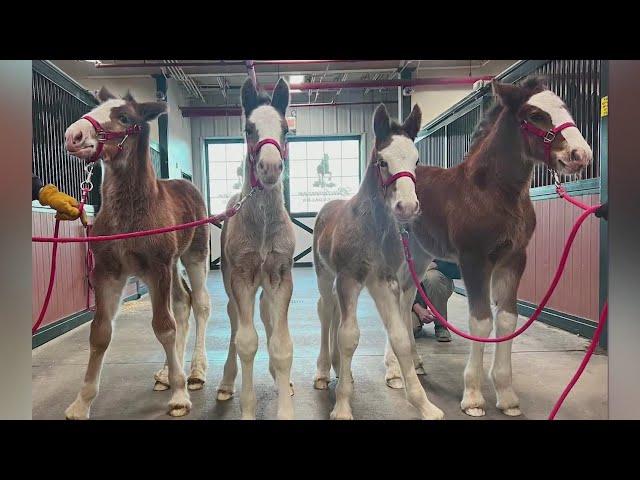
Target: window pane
<point>351,148</point>
<point>235,152</point>
<point>350,166</point>
<point>323,173</point>
<point>333,149</point>
<point>298,150</point>
<point>298,168</point>
<point>226,162</point>
<point>314,150</point>
<point>217,152</point>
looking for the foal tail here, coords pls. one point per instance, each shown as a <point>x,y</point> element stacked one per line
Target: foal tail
<point>179,275</point>
<point>183,279</point>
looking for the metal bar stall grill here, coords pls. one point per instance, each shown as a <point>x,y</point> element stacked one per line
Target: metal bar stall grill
<point>445,140</point>
<point>156,161</point>
<point>459,134</point>
<point>57,103</point>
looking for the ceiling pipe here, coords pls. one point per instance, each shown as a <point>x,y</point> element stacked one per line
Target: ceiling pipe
<point>289,72</point>
<point>189,111</point>
<point>390,83</point>
<point>221,63</point>
<point>377,84</point>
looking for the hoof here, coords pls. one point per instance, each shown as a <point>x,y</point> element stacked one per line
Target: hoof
<point>224,394</point>
<point>433,413</point>
<point>475,412</point>
<point>340,415</point>
<point>420,370</point>
<point>76,411</point>
<point>512,412</point>
<point>396,383</point>
<point>195,383</point>
<point>321,383</point>
<point>179,411</point>
<point>160,387</point>
<point>179,408</point>
<point>291,390</point>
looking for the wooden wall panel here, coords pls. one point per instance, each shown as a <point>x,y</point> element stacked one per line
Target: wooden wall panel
<point>69,295</point>
<point>577,292</point>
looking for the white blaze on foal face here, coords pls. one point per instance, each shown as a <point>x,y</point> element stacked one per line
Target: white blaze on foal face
<point>396,153</point>
<point>575,153</point>
<point>267,123</point>
<point>400,155</point>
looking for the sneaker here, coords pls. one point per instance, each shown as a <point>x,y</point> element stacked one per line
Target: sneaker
<point>442,334</point>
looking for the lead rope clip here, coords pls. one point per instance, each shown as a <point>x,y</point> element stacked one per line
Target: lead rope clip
<point>239,203</point>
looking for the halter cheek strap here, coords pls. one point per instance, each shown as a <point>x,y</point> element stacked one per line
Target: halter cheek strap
<point>106,135</point>
<point>547,136</point>
<point>253,156</point>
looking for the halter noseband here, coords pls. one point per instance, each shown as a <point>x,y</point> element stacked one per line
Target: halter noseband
<point>253,155</point>
<point>393,178</point>
<point>547,136</point>
<point>106,135</point>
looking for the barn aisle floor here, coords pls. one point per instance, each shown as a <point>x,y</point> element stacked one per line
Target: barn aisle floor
<point>544,360</point>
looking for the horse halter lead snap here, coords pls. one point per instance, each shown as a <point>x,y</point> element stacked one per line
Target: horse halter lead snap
<point>253,156</point>
<point>547,136</point>
<point>106,135</point>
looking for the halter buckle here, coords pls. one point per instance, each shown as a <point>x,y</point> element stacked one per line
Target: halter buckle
<point>102,136</point>
<point>122,142</point>
<point>549,137</point>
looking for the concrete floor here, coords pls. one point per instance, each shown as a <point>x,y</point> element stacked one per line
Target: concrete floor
<point>544,360</point>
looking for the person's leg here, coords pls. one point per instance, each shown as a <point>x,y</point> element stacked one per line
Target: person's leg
<point>439,289</point>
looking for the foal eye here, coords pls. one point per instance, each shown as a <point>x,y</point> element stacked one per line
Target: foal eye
<point>123,119</point>
<point>538,117</point>
<point>417,162</point>
<point>383,164</point>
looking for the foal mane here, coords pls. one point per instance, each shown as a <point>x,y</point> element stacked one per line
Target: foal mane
<point>533,85</point>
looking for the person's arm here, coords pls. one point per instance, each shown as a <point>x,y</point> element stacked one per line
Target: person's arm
<point>418,302</point>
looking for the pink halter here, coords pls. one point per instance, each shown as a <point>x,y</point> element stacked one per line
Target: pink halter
<point>547,136</point>
<point>253,155</point>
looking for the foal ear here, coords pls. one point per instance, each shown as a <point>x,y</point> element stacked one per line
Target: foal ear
<point>381,122</point>
<point>128,97</point>
<point>280,97</point>
<point>151,110</point>
<point>412,124</point>
<point>536,83</point>
<point>511,96</point>
<point>248,96</point>
<point>103,95</point>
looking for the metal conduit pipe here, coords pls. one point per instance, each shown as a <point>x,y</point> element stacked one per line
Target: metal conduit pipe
<point>221,63</point>
<point>189,111</point>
